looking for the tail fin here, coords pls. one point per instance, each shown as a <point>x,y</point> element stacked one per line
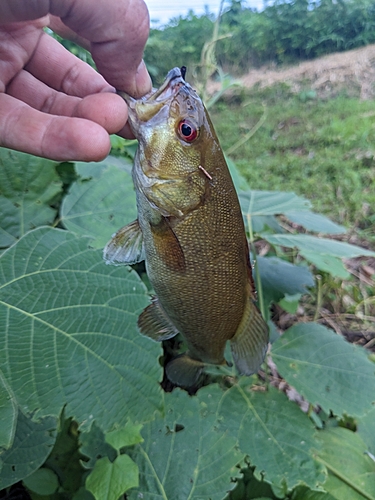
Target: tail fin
<point>249,345</point>
<point>184,371</point>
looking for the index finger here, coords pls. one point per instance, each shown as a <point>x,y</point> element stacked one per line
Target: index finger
<point>117,31</point>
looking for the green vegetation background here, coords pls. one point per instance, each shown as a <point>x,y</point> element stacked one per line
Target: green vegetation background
<point>82,413</point>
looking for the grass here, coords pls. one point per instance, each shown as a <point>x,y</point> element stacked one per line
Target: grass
<point>323,149</point>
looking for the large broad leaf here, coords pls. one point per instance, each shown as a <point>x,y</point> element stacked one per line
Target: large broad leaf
<point>27,186</point>
<point>314,222</point>
<point>366,429</point>
<point>69,332</point>
<point>322,246</point>
<point>8,414</point>
<point>100,202</point>
<point>32,444</point>
<point>187,454</point>
<point>327,263</point>
<point>42,482</point>
<point>303,493</point>
<point>271,202</point>
<point>280,278</point>
<point>324,253</point>
<point>276,435</point>
<point>326,369</point>
<point>351,470</point>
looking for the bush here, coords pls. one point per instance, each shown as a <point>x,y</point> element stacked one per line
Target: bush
<point>284,32</point>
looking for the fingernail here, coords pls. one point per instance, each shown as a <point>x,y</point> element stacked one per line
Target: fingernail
<point>142,80</point>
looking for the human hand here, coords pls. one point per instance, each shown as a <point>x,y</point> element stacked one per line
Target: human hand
<point>54,105</point>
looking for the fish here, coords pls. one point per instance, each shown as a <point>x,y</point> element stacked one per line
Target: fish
<point>191,235</point>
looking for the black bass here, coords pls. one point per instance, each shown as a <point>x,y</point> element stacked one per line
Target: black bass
<point>191,234</point>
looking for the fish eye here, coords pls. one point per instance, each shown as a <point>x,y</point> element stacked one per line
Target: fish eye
<point>187,131</point>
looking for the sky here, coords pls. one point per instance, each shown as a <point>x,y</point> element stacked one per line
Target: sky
<point>161,11</point>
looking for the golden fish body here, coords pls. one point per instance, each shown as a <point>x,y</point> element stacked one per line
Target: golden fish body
<point>191,234</point>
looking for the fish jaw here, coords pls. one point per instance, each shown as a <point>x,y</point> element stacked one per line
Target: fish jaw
<point>145,109</point>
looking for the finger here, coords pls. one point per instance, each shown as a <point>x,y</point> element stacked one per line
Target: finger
<point>107,109</point>
<point>118,31</point>
<point>142,76</point>
<point>60,69</point>
<point>56,137</point>
<point>58,27</point>
<point>18,10</point>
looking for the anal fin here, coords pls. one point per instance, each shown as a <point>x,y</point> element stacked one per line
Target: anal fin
<point>155,324</point>
<point>249,344</point>
<point>184,371</point>
<point>126,246</point>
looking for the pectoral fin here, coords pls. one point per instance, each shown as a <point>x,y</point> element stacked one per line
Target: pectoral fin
<point>167,245</point>
<point>249,344</point>
<point>184,371</point>
<point>126,246</point>
<point>155,324</point>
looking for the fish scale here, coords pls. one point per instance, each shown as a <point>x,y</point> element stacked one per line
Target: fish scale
<point>190,232</point>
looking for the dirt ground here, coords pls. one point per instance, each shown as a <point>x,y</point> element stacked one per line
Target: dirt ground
<point>354,69</point>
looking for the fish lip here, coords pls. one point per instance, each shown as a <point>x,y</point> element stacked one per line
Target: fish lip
<point>173,81</point>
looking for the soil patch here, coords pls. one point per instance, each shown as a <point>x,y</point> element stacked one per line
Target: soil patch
<point>354,69</point>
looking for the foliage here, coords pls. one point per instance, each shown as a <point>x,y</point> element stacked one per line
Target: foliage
<point>320,148</point>
<point>82,414</point>
<point>179,45</point>
<point>284,31</point>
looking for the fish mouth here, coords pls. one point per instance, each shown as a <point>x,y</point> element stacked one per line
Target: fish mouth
<point>173,81</point>
<point>144,109</point>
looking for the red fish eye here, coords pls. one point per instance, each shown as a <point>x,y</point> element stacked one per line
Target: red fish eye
<point>188,132</point>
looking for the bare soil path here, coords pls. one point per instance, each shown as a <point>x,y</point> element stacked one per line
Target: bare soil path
<point>354,69</point>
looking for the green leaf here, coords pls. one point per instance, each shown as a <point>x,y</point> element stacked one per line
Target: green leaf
<point>100,206</point>
<point>65,458</point>
<point>32,444</point>
<point>366,429</point>
<point>127,436</point>
<point>250,488</point>
<point>327,263</point>
<point>94,446</point>
<point>322,246</point>
<point>303,493</point>
<point>27,187</point>
<point>83,494</point>
<point>314,222</point>
<point>187,454</point>
<point>325,369</point>
<point>270,202</point>
<point>280,278</point>
<point>8,414</point>
<point>43,482</point>
<point>109,480</point>
<point>275,433</point>
<point>351,470</point>
<point>70,335</point>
